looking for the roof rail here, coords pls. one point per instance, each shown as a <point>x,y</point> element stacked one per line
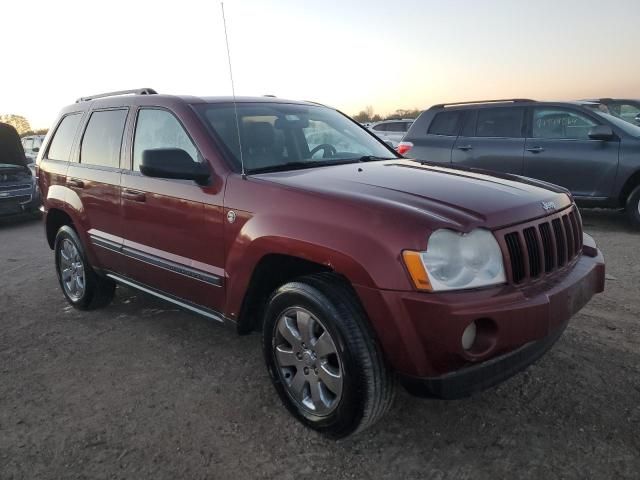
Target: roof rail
<point>137,91</point>
<point>479,102</point>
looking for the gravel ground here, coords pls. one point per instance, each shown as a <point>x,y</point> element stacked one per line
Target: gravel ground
<point>142,390</point>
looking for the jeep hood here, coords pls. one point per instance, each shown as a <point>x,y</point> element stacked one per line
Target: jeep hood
<point>11,151</point>
<point>461,199</point>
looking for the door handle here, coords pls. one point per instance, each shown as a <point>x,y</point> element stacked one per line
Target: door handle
<point>134,195</point>
<point>75,182</point>
<point>535,149</point>
<point>465,148</point>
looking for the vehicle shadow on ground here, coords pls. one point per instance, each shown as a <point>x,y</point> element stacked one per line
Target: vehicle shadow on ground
<point>543,404</point>
<point>18,220</point>
<point>605,220</point>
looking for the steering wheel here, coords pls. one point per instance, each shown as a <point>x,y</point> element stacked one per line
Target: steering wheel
<point>325,147</point>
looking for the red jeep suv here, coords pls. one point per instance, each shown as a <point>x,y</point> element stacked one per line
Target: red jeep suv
<point>359,267</point>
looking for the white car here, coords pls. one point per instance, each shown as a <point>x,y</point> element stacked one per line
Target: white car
<point>391,131</point>
<point>32,145</point>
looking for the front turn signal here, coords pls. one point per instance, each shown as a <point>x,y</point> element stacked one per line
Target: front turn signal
<point>418,273</point>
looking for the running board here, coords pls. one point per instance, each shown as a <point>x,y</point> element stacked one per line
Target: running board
<point>205,312</point>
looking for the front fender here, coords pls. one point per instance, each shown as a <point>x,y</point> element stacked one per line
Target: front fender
<point>337,247</point>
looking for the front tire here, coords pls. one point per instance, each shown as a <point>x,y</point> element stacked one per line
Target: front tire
<point>633,207</point>
<point>80,284</point>
<point>323,358</point>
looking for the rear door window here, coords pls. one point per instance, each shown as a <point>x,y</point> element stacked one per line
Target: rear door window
<point>446,124</point>
<point>102,139</point>
<point>500,122</point>
<point>62,141</point>
<point>381,128</point>
<point>561,124</point>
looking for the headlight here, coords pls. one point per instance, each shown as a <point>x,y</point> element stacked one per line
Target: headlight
<point>455,261</point>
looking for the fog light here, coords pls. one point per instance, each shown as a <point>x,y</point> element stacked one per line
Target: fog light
<point>469,336</point>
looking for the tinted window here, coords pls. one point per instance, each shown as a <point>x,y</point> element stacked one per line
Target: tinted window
<point>500,122</point>
<point>445,123</point>
<point>62,141</point>
<point>103,138</point>
<point>625,111</point>
<point>559,123</point>
<point>396,127</point>
<point>469,128</point>
<point>381,128</point>
<point>160,129</point>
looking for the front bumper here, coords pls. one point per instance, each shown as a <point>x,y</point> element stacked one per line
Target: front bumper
<point>421,333</point>
<point>14,202</point>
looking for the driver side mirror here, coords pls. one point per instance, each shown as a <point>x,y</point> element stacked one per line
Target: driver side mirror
<point>173,163</point>
<point>601,132</point>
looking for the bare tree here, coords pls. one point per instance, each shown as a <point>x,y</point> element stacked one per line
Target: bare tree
<point>18,122</point>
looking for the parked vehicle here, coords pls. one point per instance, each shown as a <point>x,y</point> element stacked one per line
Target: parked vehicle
<point>18,188</point>
<point>31,145</point>
<point>626,109</point>
<point>593,154</point>
<point>357,266</point>
<point>391,131</point>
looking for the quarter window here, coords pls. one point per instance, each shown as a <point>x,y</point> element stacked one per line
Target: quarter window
<point>500,122</point>
<point>102,139</point>
<point>445,123</point>
<point>160,129</point>
<point>559,123</point>
<point>62,141</point>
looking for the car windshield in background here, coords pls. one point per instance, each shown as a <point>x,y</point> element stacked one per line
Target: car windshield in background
<point>630,129</point>
<point>288,136</point>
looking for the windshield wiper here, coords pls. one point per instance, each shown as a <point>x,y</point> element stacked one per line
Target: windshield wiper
<point>373,158</point>
<point>298,165</point>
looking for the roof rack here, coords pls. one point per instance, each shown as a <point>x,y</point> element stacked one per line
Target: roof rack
<point>137,91</point>
<point>479,102</point>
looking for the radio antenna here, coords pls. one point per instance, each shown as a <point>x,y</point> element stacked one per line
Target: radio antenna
<point>233,90</point>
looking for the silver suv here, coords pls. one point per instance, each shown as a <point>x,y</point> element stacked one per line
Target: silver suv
<point>391,131</point>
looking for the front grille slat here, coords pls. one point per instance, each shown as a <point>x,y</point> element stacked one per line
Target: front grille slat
<point>536,249</point>
<point>515,254</point>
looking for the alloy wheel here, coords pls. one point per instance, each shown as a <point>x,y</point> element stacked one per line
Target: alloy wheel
<point>308,361</point>
<point>71,270</point>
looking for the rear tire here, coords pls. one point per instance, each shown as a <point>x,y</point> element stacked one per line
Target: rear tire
<point>81,285</point>
<point>360,388</point>
<point>633,207</point>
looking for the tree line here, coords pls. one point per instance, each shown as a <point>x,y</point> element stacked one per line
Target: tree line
<point>22,125</point>
<point>368,115</point>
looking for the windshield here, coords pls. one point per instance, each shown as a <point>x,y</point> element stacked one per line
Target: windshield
<point>285,136</point>
<point>628,128</point>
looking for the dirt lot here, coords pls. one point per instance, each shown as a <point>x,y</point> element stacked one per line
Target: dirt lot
<point>141,390</point>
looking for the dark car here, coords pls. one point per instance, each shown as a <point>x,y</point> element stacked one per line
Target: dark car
<point>18,187</point>
<point>593,154</point>
<point>626,109</point>
<point>358,267</point>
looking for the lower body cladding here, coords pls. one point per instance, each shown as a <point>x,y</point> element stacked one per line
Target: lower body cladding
<point>452,344</point>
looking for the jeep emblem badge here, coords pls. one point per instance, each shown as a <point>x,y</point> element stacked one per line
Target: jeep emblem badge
<point>231,216</point>
<point>548,206</point>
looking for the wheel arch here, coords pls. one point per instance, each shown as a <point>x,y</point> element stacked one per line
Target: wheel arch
<point>55,219</point>
<point>629,186</point>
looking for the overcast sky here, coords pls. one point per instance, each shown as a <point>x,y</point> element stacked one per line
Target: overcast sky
<point>348,54</point>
